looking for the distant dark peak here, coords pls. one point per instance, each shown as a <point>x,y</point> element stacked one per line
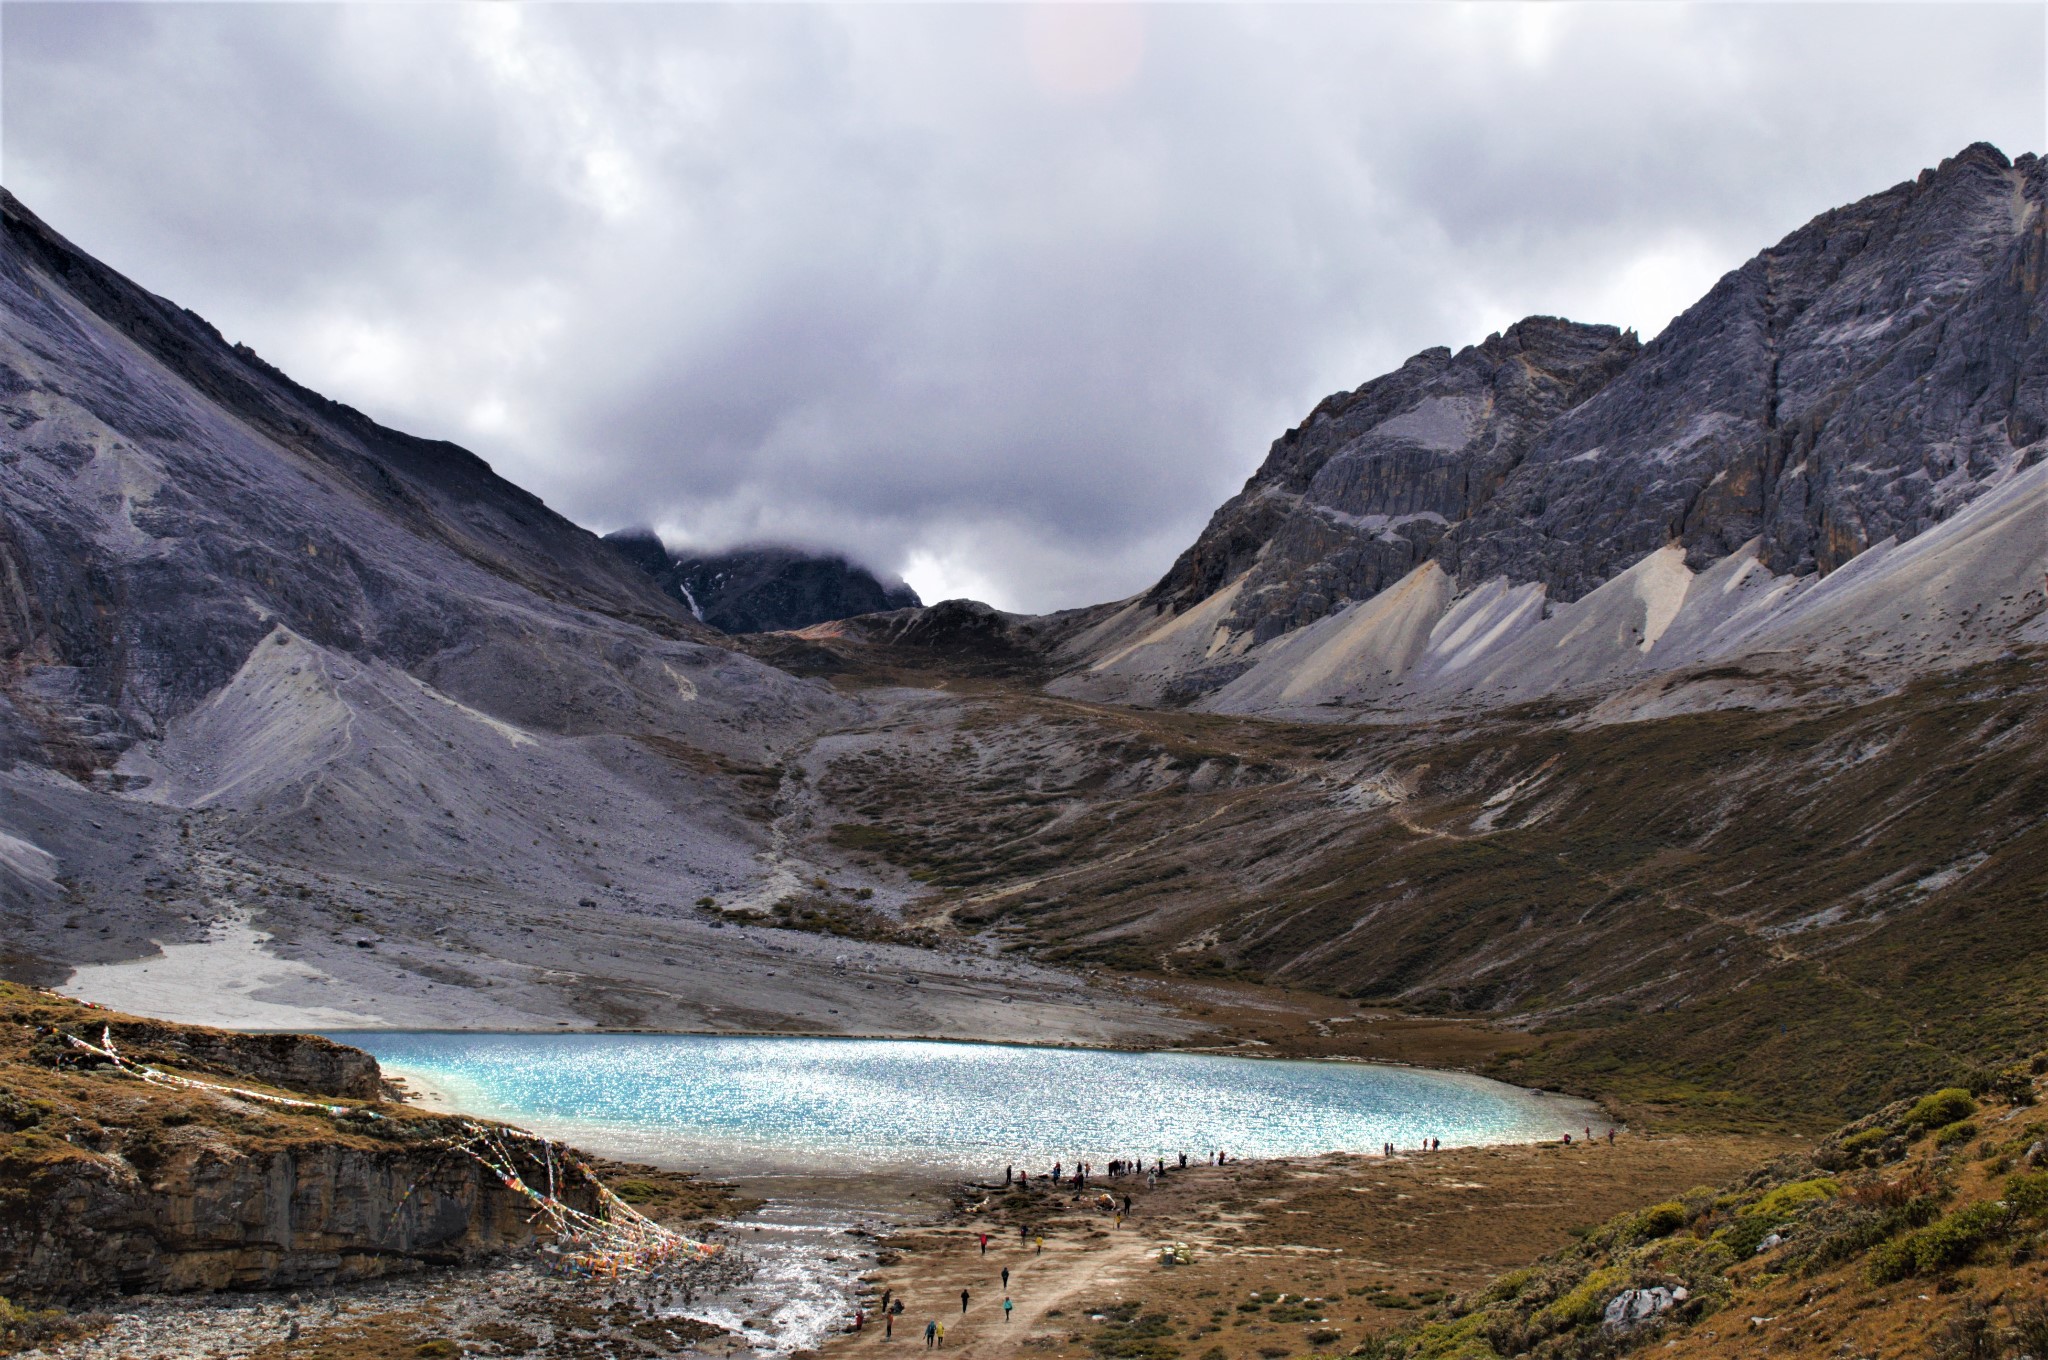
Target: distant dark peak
<point>766,587</point>
<point>643,548</point>
<point>958,628</point>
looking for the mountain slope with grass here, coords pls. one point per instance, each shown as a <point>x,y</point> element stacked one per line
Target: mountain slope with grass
<point>1921,1230</point>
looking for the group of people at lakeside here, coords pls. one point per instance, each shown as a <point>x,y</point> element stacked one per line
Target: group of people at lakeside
<point>1117,1168</point>
<point>934,1328</point>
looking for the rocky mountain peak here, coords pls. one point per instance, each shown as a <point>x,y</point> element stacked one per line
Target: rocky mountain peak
<point>1852,386</point>
<point>763,588</point>
<point>1362,490</point>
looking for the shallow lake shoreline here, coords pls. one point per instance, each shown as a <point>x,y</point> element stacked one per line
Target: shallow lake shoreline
<point>723,1105</point>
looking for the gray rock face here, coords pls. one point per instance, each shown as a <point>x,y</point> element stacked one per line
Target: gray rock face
<point>1859,380</point>
<point>1358,494</point>
<point>198,1215</point>
<point>1862,380</point>
<point>764,589</point>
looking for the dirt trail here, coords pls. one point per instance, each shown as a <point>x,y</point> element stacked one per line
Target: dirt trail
<point>1358,1243</point>
<point>1073,1270</point>
<point>1085,1259</point>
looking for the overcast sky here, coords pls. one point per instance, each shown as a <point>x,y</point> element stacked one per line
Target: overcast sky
<point>1005,300</point>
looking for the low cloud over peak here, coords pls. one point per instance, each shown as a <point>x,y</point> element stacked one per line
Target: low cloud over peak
<point>1004,300</point>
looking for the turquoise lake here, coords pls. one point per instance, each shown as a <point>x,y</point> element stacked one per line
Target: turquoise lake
<point>740,1104</point>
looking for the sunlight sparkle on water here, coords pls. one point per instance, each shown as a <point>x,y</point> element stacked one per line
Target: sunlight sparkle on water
<point>815,1104</point>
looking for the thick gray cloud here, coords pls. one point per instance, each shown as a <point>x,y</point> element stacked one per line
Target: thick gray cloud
<point>1004,299</point>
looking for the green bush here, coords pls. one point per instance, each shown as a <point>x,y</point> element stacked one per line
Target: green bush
<point>1462,1339</point>
<point>1945,1243</point>
<point>1503,1290</point>
<point>636,1192</point>
<point>2014,1083</point>
<point>2027,1194</point>
<point>1659,1220</point>
<point>1942,1108</point>
<point>1854,1228</point>
<point>1786,1199</point>
<point>1858,1143</point>
<point>1746,1234</point>
<point>1699,1264</point>
<point>1890,1261</point>
<point>1962,1131</point>
<point>1583,1304</point>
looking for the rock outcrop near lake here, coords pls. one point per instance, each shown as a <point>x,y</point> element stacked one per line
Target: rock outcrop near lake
<point>111,1185</point>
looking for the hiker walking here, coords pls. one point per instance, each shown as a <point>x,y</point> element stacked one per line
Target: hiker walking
<point>942,1336</point>
<point>1006,1307</point>
<point>1006,1279</point>
<point>984,1244</point>
<point>963,1303</point>
<point>930,1330</point>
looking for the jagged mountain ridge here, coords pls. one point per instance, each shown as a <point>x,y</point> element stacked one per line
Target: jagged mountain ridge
<point>1851,387</point>
<point>763,588</point>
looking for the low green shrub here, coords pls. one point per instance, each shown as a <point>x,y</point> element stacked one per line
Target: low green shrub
<point>1583,1304</point>
<point>1746,1234</point>
<point>1787,1199</point>
<point>1942,1108</point>
<point>1948,1242</point>
<point>1962,1131</point>
<point>2027,1194</point>
<point>1130,1334</point>
<point>2014,1084</point>
<point>1462,1339</point>
<point>1659,1220</point>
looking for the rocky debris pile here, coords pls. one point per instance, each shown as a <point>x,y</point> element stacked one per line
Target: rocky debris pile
<point>1633,1309</point>
<point>502,1308</point>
